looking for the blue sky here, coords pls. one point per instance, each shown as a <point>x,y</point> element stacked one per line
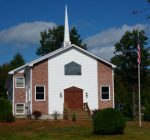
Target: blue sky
<point>101,23</point>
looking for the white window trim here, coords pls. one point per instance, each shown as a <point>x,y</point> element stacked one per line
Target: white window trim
<point>44,92</point>
<point>101,93</point>
<point>16,109</point>
<point>16,82</point>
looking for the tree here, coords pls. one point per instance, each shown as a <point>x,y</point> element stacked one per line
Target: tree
<point>52,40</point>
<point>6,111</point>
<point>17,61</point>
<point>126,60</point>
<point>5,68</point>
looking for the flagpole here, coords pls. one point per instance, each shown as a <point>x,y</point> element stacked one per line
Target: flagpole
<point>139,83</point>
<point>139,94</point>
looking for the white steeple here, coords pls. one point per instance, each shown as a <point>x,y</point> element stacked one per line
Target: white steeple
<point>66,30</point>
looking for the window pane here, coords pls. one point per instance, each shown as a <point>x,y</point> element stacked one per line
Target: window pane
<point>40,96</point>
<point>105,92</point>
<point>20,111</point>
<point>105,96</point>
<point>20,108</point>
<point>39,92</point>
<point>72,69</point>
<point>39,89</point>
<point>20,82</point>
<point>105,89</point>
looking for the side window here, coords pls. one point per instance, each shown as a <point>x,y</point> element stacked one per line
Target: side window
<point>39,93</point>
<point>20,109</point>
<point>72,68</point>
<point>105,92</point>
<point>20,82</point>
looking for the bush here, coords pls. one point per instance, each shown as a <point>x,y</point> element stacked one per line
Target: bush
<point>127,111</point>
<point>55,115</point>
<point>37,114</point>
<point>74,117</point>
<point>9,118</point>
<point>147,113</point>
<point>108,121</point>
<point>94,112</point>
<point>6,111</point>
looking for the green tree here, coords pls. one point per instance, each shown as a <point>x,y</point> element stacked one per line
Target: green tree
<point>6,111</point>
<point>126,60</point>
<point>52,40</point>
<point>5,68</point>
<point>17,61</point>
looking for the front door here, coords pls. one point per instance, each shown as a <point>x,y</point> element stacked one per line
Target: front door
<point>73,96</point>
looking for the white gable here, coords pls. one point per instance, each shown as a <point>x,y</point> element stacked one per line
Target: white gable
<point>58,52</point>
<point>58,81</point>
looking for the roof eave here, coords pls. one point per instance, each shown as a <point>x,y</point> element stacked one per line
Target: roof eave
<point>56,52</point>
<point>17,69</point>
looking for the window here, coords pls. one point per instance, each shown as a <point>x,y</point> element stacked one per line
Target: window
<point>20,82</point>
<point>20,109</point>
<point>72,69</point>
<point>40,93</point>
<point>105,93</point>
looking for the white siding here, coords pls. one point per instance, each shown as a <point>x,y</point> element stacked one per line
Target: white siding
<point>58,81</point>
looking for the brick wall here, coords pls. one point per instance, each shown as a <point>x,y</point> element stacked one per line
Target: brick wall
<point>20,96</point>
<point>105,78</point>
<point>40,77</point>
<point>19,92</point>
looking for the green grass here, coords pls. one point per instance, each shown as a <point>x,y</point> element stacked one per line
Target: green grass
<point>66,130</point>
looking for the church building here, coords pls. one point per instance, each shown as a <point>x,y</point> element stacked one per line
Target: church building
<point>68,80</point>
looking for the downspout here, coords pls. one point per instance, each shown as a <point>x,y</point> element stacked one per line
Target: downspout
<point>31,90</point>
<point>13,106</point>
<point>113,88</point>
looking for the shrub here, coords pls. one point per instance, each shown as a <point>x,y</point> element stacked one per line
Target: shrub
<point>5,111</point>
<point>55,115</point>
<point>108,121</point>
<point>37,114</point>
<point>147,113</point>
<point>127,111</point>
<point>94,112</point>
<point>9,118</point>
<point>74,117</point>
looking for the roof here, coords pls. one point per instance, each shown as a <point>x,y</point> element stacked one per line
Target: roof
<point>57,52</point>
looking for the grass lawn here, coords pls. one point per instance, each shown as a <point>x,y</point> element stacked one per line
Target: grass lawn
<point>66,130</point>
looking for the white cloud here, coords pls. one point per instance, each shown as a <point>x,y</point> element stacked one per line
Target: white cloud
<point>25,33</point>
<point>102,44</point>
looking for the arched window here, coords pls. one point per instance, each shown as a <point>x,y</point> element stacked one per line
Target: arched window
<point>72,68</point>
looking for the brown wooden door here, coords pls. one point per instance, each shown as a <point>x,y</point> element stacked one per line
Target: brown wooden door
<point>74,97</point>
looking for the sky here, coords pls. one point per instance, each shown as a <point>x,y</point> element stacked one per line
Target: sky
<point>101,23</point>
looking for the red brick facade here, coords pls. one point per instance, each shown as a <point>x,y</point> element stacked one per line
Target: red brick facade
<point>40,77</point>
<point>20,95</point>
<point>105,77</point>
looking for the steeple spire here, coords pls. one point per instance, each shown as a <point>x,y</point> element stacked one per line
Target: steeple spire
<point>66,30</point>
